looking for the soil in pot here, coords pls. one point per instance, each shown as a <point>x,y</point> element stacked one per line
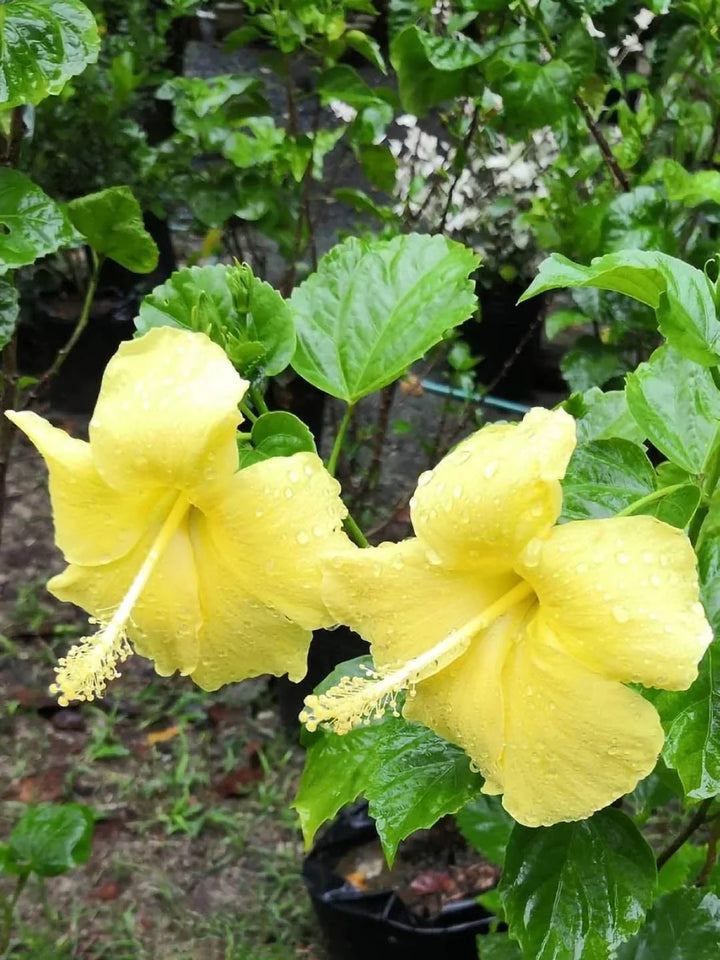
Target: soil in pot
<point>423,908</point>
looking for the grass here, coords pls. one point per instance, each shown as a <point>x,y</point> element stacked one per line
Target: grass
<point>180,871</point>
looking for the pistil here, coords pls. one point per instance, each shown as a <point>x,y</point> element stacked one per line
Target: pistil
<point>357,700</point>
<point>84,673</point>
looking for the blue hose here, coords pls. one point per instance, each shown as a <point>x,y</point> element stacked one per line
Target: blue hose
<point>482,399</point>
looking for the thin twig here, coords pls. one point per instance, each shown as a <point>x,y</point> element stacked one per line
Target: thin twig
<point>461,156</point>
<point>694,823</point>
<point>611,163</point>
<point>63,353</point>
<point>15,139</point>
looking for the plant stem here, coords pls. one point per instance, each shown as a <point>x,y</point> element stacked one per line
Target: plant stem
<point>15,138</point>
<point>247,412</point>
<point>460,156</point>
<point>611,163</point>
<point>340,439</point>
<point>354,531</point>
<point>650,498</point>
<point>258,400</point>
<point>711,858</point>
<point>83,320</point>
<point>693,824</point>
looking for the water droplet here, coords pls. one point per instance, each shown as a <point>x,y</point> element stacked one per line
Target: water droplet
<point>655,580</point>
<point>302,538</point>
<point>293,477</point>
<point>648,557</point>
<point>318,531</point>
<point>288,492</point>
<point>581,568</point>
<point>462,457</point>
<point>620,614</point>
<point>457,492</point>
<point>622,558</point>
<point>308,470</point>
<point>490,469</point>
<point>424,478</point>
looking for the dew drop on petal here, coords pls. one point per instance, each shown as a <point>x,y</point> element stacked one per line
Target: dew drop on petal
<point>424,478</point>
<point>622,558</point>
<point>490,469</point>
<point>620,614</point>
<point>302,538</point>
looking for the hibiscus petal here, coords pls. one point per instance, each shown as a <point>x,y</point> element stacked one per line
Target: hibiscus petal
<point>575,740</point>
<point>273,523</point>
<point>93,522</point>
<point>622,595</point>
<point>401,602</point>
<point>167,412</point>
<point>466,702</point>
<point>496,491</point>
<point>241,635</point>
<point>166,618</point>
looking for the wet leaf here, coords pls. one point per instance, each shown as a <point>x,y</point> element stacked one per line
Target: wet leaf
<point>683,925</point>
<point>31,224</point>
<point>576,891</point>
<point>42,44</point>
<point>51,839</point>
<point>111,223</point>
<point>375,307</point>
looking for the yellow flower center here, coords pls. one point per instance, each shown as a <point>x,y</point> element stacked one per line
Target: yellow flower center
<point>359,699</point>
<point>84,673</point>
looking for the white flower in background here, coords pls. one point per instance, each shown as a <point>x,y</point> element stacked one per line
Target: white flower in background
<point>343,111</point>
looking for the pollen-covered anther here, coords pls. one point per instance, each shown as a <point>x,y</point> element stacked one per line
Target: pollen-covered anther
<point>85,672</point>
<point>355,701</point>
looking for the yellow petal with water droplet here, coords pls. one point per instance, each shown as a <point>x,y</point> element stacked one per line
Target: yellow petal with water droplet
<point>275,544</point>
<point>167,413</point>
<point>575,741</point>
<point>401,602</point>
<point>626,616</point>
<point>94,523</point>
<point>166,618</point>
<point>496,491</point>
<point>467,702</point>
<point>241,635</point>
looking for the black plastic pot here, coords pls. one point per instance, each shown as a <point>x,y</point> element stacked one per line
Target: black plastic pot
<point>359,925</point>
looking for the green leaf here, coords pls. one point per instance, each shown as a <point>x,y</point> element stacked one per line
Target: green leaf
<point>562,319</point>
<point>345,83</point>
<point>276,434</point>
<point>677,508</point>
<point>604,477</point>
<point>690,189</point>
<point>409,776</point>
<point>682,868</point>
<point>681,295</point>
<point>677,405</point>
<point>375,307</point>
<point>246,316</point>
<point>591,363</point>
<point>379,165</point>
<point>536,94</point>
<point>683,925</point>
<point>486,827</point>
<point>50,839</point>
<point>602,415</point>
<point>42,44</point>
<point>112,224</point>
<point>432,69</point>
<point>367,47</point>
<point>31,224</point>
<point>575,891</point>
<point>691,719</point>
<point>498,946</point>
<point>9,311</point>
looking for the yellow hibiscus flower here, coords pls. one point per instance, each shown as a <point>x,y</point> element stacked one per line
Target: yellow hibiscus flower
<point>515,637</point>
<point>205,569</point>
